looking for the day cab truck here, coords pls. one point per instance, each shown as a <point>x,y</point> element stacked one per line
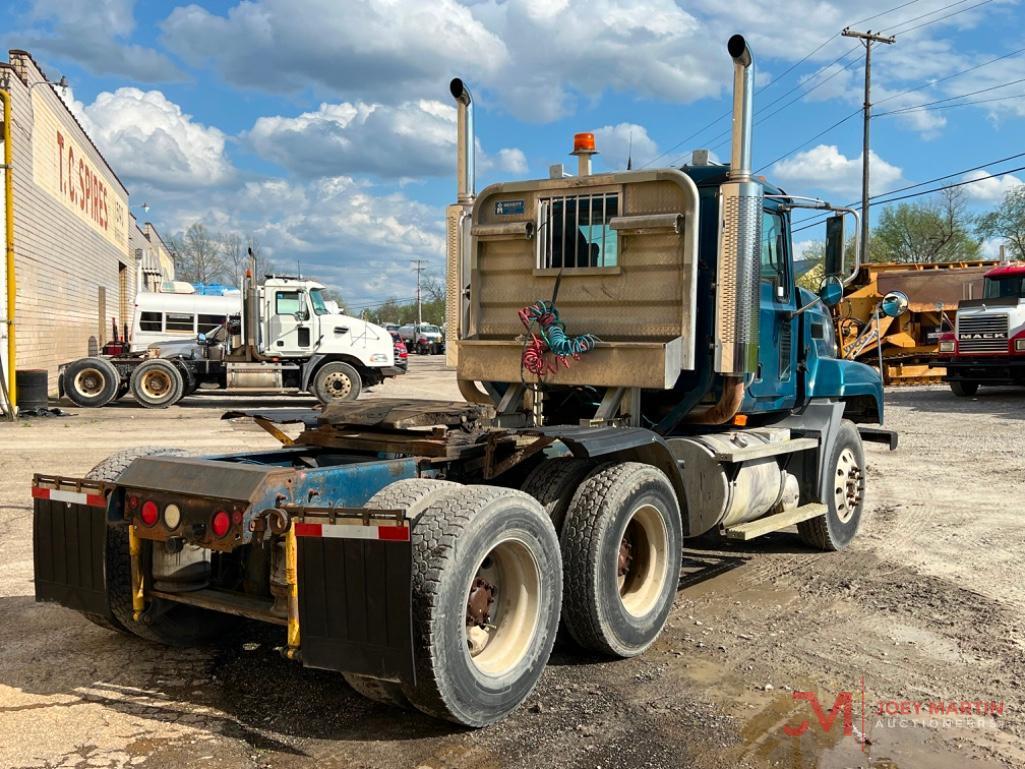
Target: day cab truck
<point>279,336</point>
<point>428,551</point>
<point>987,346</point>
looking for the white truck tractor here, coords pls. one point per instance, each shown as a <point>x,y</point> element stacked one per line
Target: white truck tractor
<point>280,336</point>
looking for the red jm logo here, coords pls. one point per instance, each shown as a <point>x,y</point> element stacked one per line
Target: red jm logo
<point>844,702</point>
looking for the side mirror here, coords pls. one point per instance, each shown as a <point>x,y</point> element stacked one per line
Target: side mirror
<point>834,245</point>
<point>200,338</point>
<point>894,304</point>
<point>831,291</point>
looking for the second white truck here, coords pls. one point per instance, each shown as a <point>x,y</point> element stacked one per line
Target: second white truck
<point>277,336</point>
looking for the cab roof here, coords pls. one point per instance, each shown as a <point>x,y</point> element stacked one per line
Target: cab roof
<point>1006,270</point>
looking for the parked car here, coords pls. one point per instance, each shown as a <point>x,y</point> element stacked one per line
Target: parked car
<point>423,338</point>
<point>401,353</point>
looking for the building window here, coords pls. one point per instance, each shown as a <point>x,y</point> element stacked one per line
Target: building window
<point>151,321</point>
<point>208,323</point>
<point>180,321</point>
<point>574,232</point>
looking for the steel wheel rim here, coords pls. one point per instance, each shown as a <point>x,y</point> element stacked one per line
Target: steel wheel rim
<point>337,384</point>
<point>89,382</point>
<point>848,485</point>
<point>513,613</point>
<point>642,561</point>
<point>156,384</point>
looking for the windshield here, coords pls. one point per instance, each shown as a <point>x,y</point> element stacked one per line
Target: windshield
<point>1012,285</point>
<point>429,329</point>
<point>317,297</point>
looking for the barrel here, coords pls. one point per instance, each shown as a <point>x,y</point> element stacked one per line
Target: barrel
<point>32,387</point>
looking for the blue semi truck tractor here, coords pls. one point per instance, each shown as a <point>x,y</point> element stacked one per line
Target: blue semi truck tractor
<point>638,368</point>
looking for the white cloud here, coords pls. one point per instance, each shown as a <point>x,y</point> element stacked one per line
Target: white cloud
<point>825,168</point>
<point>379,50</point>
<point>411,139</point>
<point>615,143</point>
<point>90,32</point>
<point>345,232</point>
<point>147,138</point>
<point>991,189</point>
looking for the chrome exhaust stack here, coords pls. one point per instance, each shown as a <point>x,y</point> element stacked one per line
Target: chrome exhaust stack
<point>740,216</point>
<point>458,218</point>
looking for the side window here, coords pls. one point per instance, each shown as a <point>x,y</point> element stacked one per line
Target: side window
<point>180,321</point>
<point>287,302</point>
<point>151,321</point>
<point>576,232</point>
<point>208,323</point>
<point>774,256</point>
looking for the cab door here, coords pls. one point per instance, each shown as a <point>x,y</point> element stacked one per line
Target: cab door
<point>288,322</point>
<point>775,384</point>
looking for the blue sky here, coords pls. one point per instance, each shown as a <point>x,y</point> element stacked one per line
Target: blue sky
<point>325,129</point>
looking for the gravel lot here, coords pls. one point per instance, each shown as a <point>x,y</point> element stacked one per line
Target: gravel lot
<point>927,606</point>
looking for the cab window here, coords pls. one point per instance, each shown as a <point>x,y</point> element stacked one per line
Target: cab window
<point>287,302</point>
<point>774,261</point>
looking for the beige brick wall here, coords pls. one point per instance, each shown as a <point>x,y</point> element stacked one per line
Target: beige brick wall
<point>62,264</point>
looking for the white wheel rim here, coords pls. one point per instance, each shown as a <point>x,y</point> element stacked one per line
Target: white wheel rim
<point>337,384</point>
<point>641,562</point>
<point>155,384</point>
<point>848,484</point>
<point>89,382</point>
<point>513,613</point>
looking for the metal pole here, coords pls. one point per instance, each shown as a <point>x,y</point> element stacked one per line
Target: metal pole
<point>419,306</point>
<point>866,38</point>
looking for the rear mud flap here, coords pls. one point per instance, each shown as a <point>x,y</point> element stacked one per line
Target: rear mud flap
<point>355,612</point>
<point>69,535</point>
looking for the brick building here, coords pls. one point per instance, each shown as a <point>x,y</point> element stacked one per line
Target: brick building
<point>76,270</point>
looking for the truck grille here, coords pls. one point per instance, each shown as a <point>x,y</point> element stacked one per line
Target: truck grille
<point>982,333</point>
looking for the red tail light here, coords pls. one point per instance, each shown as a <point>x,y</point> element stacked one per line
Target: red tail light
<point>220,523</point>
<point>133,501</point>
<point>150,512</point>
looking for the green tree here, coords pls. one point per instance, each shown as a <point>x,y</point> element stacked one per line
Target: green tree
<point>938,230</point>
<point>1007,222</point>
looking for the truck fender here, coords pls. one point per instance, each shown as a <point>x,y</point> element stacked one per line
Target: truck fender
<point>818,419</point>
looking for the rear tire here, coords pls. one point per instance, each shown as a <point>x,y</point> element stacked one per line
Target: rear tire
<point>845,495</point>
<point>336,381</point>
<point>157,383</point>
<point>411,495</point>
<point>179,625</point>
<point>622,542</point>
<point>487,587</point>
<point>553,483</point>
<point>91,382</point>
<point>964,389</point>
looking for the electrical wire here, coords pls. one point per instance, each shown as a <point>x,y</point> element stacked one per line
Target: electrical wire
<point>950,98</point>
<point>951,106</point>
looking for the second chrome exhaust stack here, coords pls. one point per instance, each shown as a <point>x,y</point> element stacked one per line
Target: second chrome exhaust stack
<point>740,216</point>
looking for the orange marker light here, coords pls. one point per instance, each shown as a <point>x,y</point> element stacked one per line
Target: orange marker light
<point>740,420</point>
<point>583,142</point>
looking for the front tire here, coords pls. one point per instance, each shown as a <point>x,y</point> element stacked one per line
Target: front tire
<point>487,589</point>
<point>91,382</point>
<point>845,494</point>
<point>157,383</point>
<point>336,381</point>
<point>622,542</point>
<point>964,389</point>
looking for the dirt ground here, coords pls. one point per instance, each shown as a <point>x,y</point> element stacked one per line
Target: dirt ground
<point>927,606</point>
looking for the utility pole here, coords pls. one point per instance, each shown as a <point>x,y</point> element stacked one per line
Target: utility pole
<point>419,311</point>
<point>866,38</point>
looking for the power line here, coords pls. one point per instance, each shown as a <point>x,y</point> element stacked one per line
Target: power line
<point>951,106</point>
<point>953,98</point>
<point>941,18</point>
<point>781,78</point>
<point>922,192</point>
<point>823,132</point>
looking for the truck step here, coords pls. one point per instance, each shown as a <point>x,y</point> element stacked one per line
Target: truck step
<point>745,531</point>
<point>763,450</point>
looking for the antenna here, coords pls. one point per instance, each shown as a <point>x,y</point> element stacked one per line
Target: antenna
<point>630,152</point>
